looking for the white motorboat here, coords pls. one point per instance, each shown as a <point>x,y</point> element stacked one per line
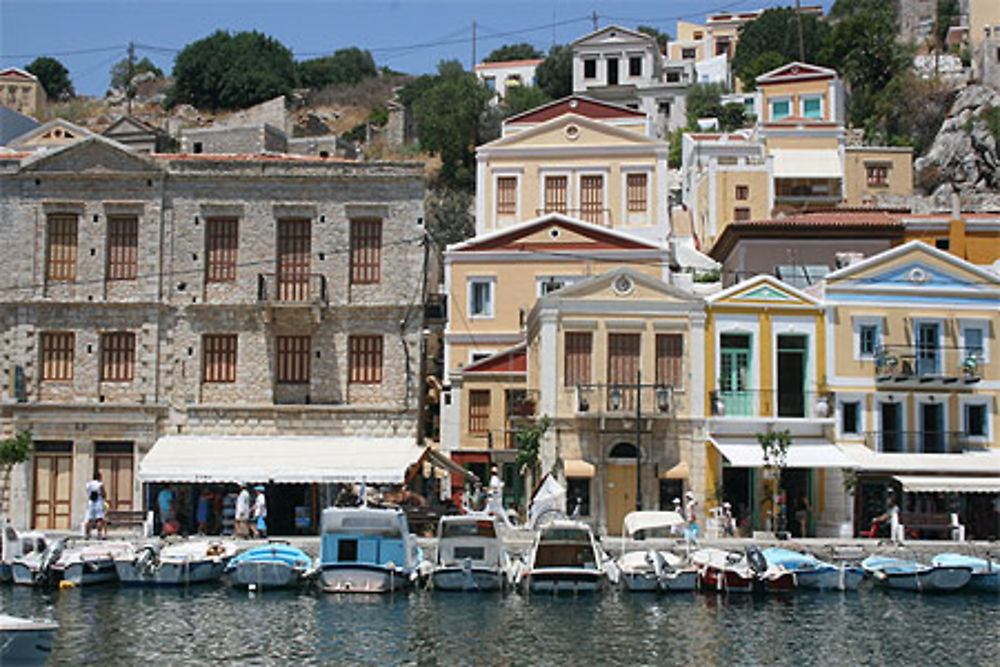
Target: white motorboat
<point>565,558</point>
<point>470,554</point>
<point>175,564</point>
<point>913,576</point>
<point>366,550</point>
<point>14,544</point>
<point>35,568</point>
<point>731,572</point>
<point>650,569</point>
<point>24,641</point>
<point>985,573</point>
<point>91,563</point>
<point>811,572</point>
<point>276,564</point>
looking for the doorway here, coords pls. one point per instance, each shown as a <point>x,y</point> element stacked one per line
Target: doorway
<point>114,461</point>
<point>619,485</point>
<point>734,375</point>
<point>932,428</point>
<point>798,513</point>
<point>791,375</point>
<point>52,484</point>
<point>738,491</point>
<point>928,349</point>
<point>891,433</point>
<point>612,64</point>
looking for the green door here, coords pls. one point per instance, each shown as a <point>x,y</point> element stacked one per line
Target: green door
<point>734,375</point>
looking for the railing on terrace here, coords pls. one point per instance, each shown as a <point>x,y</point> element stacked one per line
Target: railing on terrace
<point>924,363</point>
<point>657,400</point>
<point>305,288</point>
<point>923,442</point>
<point>497,438</point>
<point>770,403</point>
<point>521,403</point>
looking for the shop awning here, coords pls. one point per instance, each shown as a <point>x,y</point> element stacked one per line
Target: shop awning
<point>925,484</point>
<point>578,468</point>
<point>679,471</point>
<point>283,459</point>
<point>746,452</point>
<point>800,163</point>
<point>866,459</point>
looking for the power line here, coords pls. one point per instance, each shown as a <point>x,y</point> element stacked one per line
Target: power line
<point>79,52</point>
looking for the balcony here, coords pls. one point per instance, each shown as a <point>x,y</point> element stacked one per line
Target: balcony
<point>593,215</point>
<point>807,190</point>
<point>521,404</point>
<point>305,289</point>
<point>909,365</point>
<point>770,404</point>
<point>614,400</point>
<point>923,442</point>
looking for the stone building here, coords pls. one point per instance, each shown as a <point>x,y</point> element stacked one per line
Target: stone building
<point>272,298</point>
<point>21,91</point>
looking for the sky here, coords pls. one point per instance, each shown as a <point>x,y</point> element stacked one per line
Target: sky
<point>407,35</point>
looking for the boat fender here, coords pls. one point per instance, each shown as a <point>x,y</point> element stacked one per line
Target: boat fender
<point>64,584</point>
<point>756,559</point>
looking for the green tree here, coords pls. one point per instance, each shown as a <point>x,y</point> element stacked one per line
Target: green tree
<point>775,446</point>
<point>449,216</point>
<point>776,30</point>
<point>224,71</point>
<point>13,450</point>
<point>555,74</point>
<point>909,112</point>
<point>662,38</point>
<point>521,51</point>
<point>345,67</point>
<point>119,71</point>
<point>703,99</point>
<point>523,98</point>
<point>53,76</point>
<point>529,449</point>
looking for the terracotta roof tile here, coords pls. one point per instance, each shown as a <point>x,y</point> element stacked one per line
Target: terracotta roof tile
<point>509,63</point>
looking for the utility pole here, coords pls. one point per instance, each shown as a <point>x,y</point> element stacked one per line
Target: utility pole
<point>129,90</point>
<point>472,66</point>
<point>802,40</point>
<point>593,18</point>
<point>638,441</point>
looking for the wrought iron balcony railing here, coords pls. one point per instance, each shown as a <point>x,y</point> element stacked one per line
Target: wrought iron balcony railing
<point>923,442</point>
<point>924,363</point>
<point>770,403</point>
<point>298,289</point>
<point>657,400</point>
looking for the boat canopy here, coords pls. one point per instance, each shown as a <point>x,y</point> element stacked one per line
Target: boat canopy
<point>804,452</point>
<point>636,521</point>
<point>285,459</point>
<point>930,484</point>
<point>364,521</point>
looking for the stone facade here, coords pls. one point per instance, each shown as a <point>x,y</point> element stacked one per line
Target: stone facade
<point>170,305</point>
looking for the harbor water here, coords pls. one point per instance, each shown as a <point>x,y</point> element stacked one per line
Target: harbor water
<point>109,626</point>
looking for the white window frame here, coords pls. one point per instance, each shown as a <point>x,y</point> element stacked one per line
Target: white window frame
<point>862,414</point>
<point>642,65</point>
<point>482,354</point>
<point>985,401</point>
<point>877,321</point>
<point>941,323</point>
<point>506,173</point>
<point>822,106</point>
<point>975,323</point>
<point>770,107</point>
<point>583,66</point>
<point>492,282</point>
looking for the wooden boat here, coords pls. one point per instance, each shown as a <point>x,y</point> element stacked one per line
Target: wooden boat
<point>92,563</point>
<point>747,572</point>
<point>276,564</point>
<point>175,564</point>
<point>985,573</point>
<point>470,554</point>
<point>565,558</point>
<point>366,550</point>
<point>810,572</point>
<point>913,576</point>
<point>24,641</point>
<point>651,570</point>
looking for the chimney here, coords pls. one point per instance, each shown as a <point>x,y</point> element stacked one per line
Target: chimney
<point>956,228</point>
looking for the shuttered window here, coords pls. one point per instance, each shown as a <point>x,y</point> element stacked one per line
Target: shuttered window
<point>592,198</point>
<point>507,195</point>
<point>578,350</point>
<point>479,411</point>
<point>636,187</point>
<point>555,194</point>
<point>61,247</point>
<point>669,351</point>
<point>221,249</point>
<point>57,356</point>
<point>123,247</point>
<point>293,359</point>
<point>117,356</point>
<point>365,359</point>
<point>366,252</point>
<point>623,365</point>
<point>218,358</point>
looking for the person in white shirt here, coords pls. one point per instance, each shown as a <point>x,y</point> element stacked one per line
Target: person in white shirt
<point>95,507</point>
<point>259,524</point>
<point>242,517</point>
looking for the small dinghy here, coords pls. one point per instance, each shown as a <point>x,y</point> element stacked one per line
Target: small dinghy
<point>470,554</point>
<point>912,576</point>
<point>747,572</point>
<point>92,563</point>
<point>811,572</point>
<point>175,564</point>
<point>985,573</point>
<point>652,570</point>
<point>24,641</point>
<point>276,564</point>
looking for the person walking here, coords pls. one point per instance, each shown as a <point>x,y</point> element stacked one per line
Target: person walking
<point>243,512</point>
<point>259,524</point>
<point>95,507</point>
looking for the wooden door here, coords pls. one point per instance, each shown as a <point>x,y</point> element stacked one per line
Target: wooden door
<point>294,248</point>
<point>116,473</point>
<point>53,491</point>
<point>619,495</point>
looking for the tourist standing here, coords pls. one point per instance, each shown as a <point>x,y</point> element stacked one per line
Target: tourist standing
<point>201,511</point>
<point>95,506</point>
<point>690,516</point>
<point>165,501</point>
<point>259,524</point>
<point>243,512</point>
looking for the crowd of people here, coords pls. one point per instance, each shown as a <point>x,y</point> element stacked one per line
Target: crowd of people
<point>217,511</point>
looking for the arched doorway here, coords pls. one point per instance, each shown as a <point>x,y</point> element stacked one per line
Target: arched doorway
<point>619,484</point>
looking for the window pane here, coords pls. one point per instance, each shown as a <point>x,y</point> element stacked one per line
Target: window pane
<point>578,351</point>
<point>366,252</point>
<point>219,358</point>
<point>123,247</point>
<point>779,109</point>
<point>592,198</point>
<point>555,194</point>
<point>975,420</point>
<point>61,247</point>
<point>507,195</point>
<point>636,187</point>
<point>365,359</point>
<point>481,298</point>
<point>974,342</point>
<point>57,356</point>
<point>669,355</point>
<point>812,108</point>
<point>117,356</point>
<point>221,247</point>
<point>293,359</point>
<point>849,417</point>
<point>479,411</point>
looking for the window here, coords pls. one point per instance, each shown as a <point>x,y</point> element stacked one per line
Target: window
<point>973,340</point>
<point>490,82</point>
<point>61,247</point>
<point>57,356</point>
<point>878,175</point>
<point>221,247</point>
<point>612,69</point>
<point>780,109</point>
<point>976,416</point>
<point>664,108</point>
<point>868,340</point>
<point>635,66</point>
<point>507,195</point>
<point>578,349</point>
<point>197,148</point>
<point>293,359</point>
<point>623,364</point>
<point>743,192</point>
<point>688,54</point>
<point>218,354</point>
<point>578,496</point>
<point>117,356</point>
<point>636,192</point>
<point>555,194</point>
<point>942,244</point>
<point>481,297</point>
<point>812,107</point>
<point>741,213</point>
<point>669,355</point>
<point>590,68</point>
<point>673,76</point>
<point>592,198</point>
<point>123,247</point>
<point>722,46</point>
<point>365,359</point>
<point>850,417</point>
<point>479,411</point>
<point>366,252</point>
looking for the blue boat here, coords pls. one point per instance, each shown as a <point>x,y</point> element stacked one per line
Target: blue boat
<point>985,573</point>
<point>276,564</point>
<point>913,576</point>
<point>811,572</point>
<point>366,550</point>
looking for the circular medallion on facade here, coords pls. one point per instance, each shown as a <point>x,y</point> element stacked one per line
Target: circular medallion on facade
<point>917,276</point>
<point>554,232</point>
<point>572,132</point>
<point>623,285</point>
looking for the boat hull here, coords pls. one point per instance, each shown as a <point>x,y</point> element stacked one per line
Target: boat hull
<point>936,579</point>
<point>482,579</point>
<point>24,575</point>
<point>170,574</point>
<point>265,574</point>
<point>713,579</point>
<point>985,581</point>
<point>356,578</point>
<point>30,646</point>
<point>90,572</point>
<point>564,580</point>
<point>640,582</point>
<point>830,579</point>
<point>680,582</point>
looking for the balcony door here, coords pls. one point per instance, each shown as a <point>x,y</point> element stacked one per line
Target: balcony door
<point>791,376</point>
<point>932,428</point>
<point>294,249</point>
<point>928,335</point>
<point>623,369</point>
<point>734,375</point>
<point>891,433</point>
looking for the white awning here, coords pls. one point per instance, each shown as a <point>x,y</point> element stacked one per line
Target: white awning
<point>636,521</point>
<point>746,452</point>
<point>921,484</point>
<point>970,463</point>
<point>798,163</point>
<point>280,459</point>
<point>679,471</point>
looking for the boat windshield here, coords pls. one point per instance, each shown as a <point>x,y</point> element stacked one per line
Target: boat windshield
<point>468,529</point>
<point>565,535</point>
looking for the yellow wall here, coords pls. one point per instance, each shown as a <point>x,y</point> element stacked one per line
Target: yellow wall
<point>800,143</point>
<point>983,13</point>
<point>900,177</point>
<point>796,90</point>
<point>974,246</point>
<point>497,386</point>
<point>727,203</point>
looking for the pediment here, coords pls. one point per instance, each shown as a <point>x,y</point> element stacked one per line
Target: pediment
<point>572,131</point>
<point>764,290</point>
<point>128,125</point>
<point>612,34</point>
<point>795,71</point>
<point>94,155</point>
<point>915,266</point>
<point>555,232</point>
<point>624,284</point>
<point>56,132</point>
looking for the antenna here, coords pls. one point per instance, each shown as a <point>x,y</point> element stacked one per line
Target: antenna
<point>129,89</point>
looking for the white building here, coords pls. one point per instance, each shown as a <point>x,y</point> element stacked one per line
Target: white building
<point>502,76</point>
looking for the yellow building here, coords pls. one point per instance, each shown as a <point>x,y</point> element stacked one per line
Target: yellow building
<point>21,91</point>
<point>984,21</point>
<point>915,367</point>
<point>971,236</point>
<point>870,171</point>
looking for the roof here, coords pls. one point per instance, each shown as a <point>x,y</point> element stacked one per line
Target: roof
<point>747,286</point>
<point>603,237</point>
<point>577,104</point>
<point>795,71</point>
<point>910,247</point>
<point>616,29</point>
<point>511,360</point>
<point>14,124</point>
<point>247,157</point>
<point>509,63</point>
<point>18,72</point>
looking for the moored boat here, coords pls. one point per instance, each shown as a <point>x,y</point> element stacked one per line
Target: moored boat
<point>25,641</point>
<point>470,554</point>
<point>35,568</point>
<point>565,558</point>
<point>15,544</point>
<point>650,569</point>
<point>914,576</point>
<point>747,572</point>
<point>276,564</point>
<point>175,564</point>
<point>92,563</point>
<point>366,550</point>
<point>985,573</point>
<point>811,572</point>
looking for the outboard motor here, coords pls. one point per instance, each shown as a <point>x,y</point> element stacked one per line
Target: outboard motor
<point>756,560</point>
<point>147,558</point>
<point>49,558</point>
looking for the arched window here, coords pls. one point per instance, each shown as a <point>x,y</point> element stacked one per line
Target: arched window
<point>623,450</point>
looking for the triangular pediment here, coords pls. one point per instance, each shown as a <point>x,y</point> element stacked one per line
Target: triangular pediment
<point>764,290</point>
<point>623,284</point>
<point>56,132</point>
<point>578,104</point>
<point>572,131</point>
<point>795,71</point>
<point>128,125</point>
<point>95,155</point>
<point>612,34</point>
<point>554,232</point>
<point>914,266</point>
